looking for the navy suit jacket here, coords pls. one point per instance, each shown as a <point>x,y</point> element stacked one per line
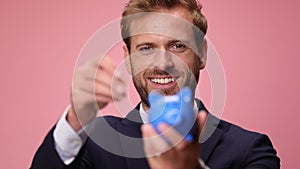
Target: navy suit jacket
<point>229,147</point>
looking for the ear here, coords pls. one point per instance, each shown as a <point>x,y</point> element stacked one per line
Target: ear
<point>203,54</point>
<point>127,58</point>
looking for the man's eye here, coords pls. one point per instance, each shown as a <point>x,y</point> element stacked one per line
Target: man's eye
<point>145,50</point>
<point>179,47</point>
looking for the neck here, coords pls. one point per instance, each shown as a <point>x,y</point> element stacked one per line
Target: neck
<point>145,107</point>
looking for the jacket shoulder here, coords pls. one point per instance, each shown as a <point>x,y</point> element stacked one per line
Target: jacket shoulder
<point>247,148</point>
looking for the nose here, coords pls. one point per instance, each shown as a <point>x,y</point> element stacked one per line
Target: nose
<point>163,59</point>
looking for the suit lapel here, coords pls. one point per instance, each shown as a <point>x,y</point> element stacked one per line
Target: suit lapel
<point>131,140</point>
<point>212,134</point>
<point>210,137</point>
<point>208,146</point>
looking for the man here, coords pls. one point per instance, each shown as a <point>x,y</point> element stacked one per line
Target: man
<point>165,50</point>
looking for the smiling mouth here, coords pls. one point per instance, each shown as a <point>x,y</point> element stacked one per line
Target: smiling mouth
<point>162,80</point>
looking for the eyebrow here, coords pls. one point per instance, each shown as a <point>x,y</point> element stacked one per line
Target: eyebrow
<point>144,44</point>
<point>185,42</point>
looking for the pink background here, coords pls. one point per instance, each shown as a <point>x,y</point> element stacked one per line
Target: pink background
<point>40,42</point>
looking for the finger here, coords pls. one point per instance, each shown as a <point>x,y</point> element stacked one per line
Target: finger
<point>80,98</point>
<point>102,65</point>
<point>108,97</point>
<point>99,60</point>
<point>115,77</point>
<point>103,90</point>
<point>102,101</point>
<point>111,78</point>
<point>86,72</point>
<point>103,74</point>
<point>89,92</point>
<point>87,97</point>
<point>117,86</point>
<point>92,72</point>
<point>104,78</point>
<point>107,65</point>
<point>153,143</point>
<point>172,135</point>
<point>115,92</point>
<point>148,134</point>
<point>90,86</point>
<point>110,69</point>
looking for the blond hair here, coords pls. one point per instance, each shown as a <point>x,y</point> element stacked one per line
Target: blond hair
<point>140,6</point>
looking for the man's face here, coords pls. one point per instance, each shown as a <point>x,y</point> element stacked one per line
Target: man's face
<point>163,53</point>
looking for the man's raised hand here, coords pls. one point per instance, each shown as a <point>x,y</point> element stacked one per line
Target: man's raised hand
<point>95,84</point>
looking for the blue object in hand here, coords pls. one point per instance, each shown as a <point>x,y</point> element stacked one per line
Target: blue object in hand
<point>175,110</point>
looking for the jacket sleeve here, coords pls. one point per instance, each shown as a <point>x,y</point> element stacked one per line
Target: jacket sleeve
<point>261,154</point>
<point>46,157</point>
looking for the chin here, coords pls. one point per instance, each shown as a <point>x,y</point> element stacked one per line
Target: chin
<point>168,91</point>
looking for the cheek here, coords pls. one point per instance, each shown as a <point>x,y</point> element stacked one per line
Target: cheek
<point>194,63</point>
<point>138,64</point>
<point>191,62</point>
<point>189,58</point>
<point>139,78</point>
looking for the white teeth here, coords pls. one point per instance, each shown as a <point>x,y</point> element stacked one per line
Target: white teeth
<point>163,80</point>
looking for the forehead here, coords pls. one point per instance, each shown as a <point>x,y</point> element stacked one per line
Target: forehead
<point>176,23</point>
